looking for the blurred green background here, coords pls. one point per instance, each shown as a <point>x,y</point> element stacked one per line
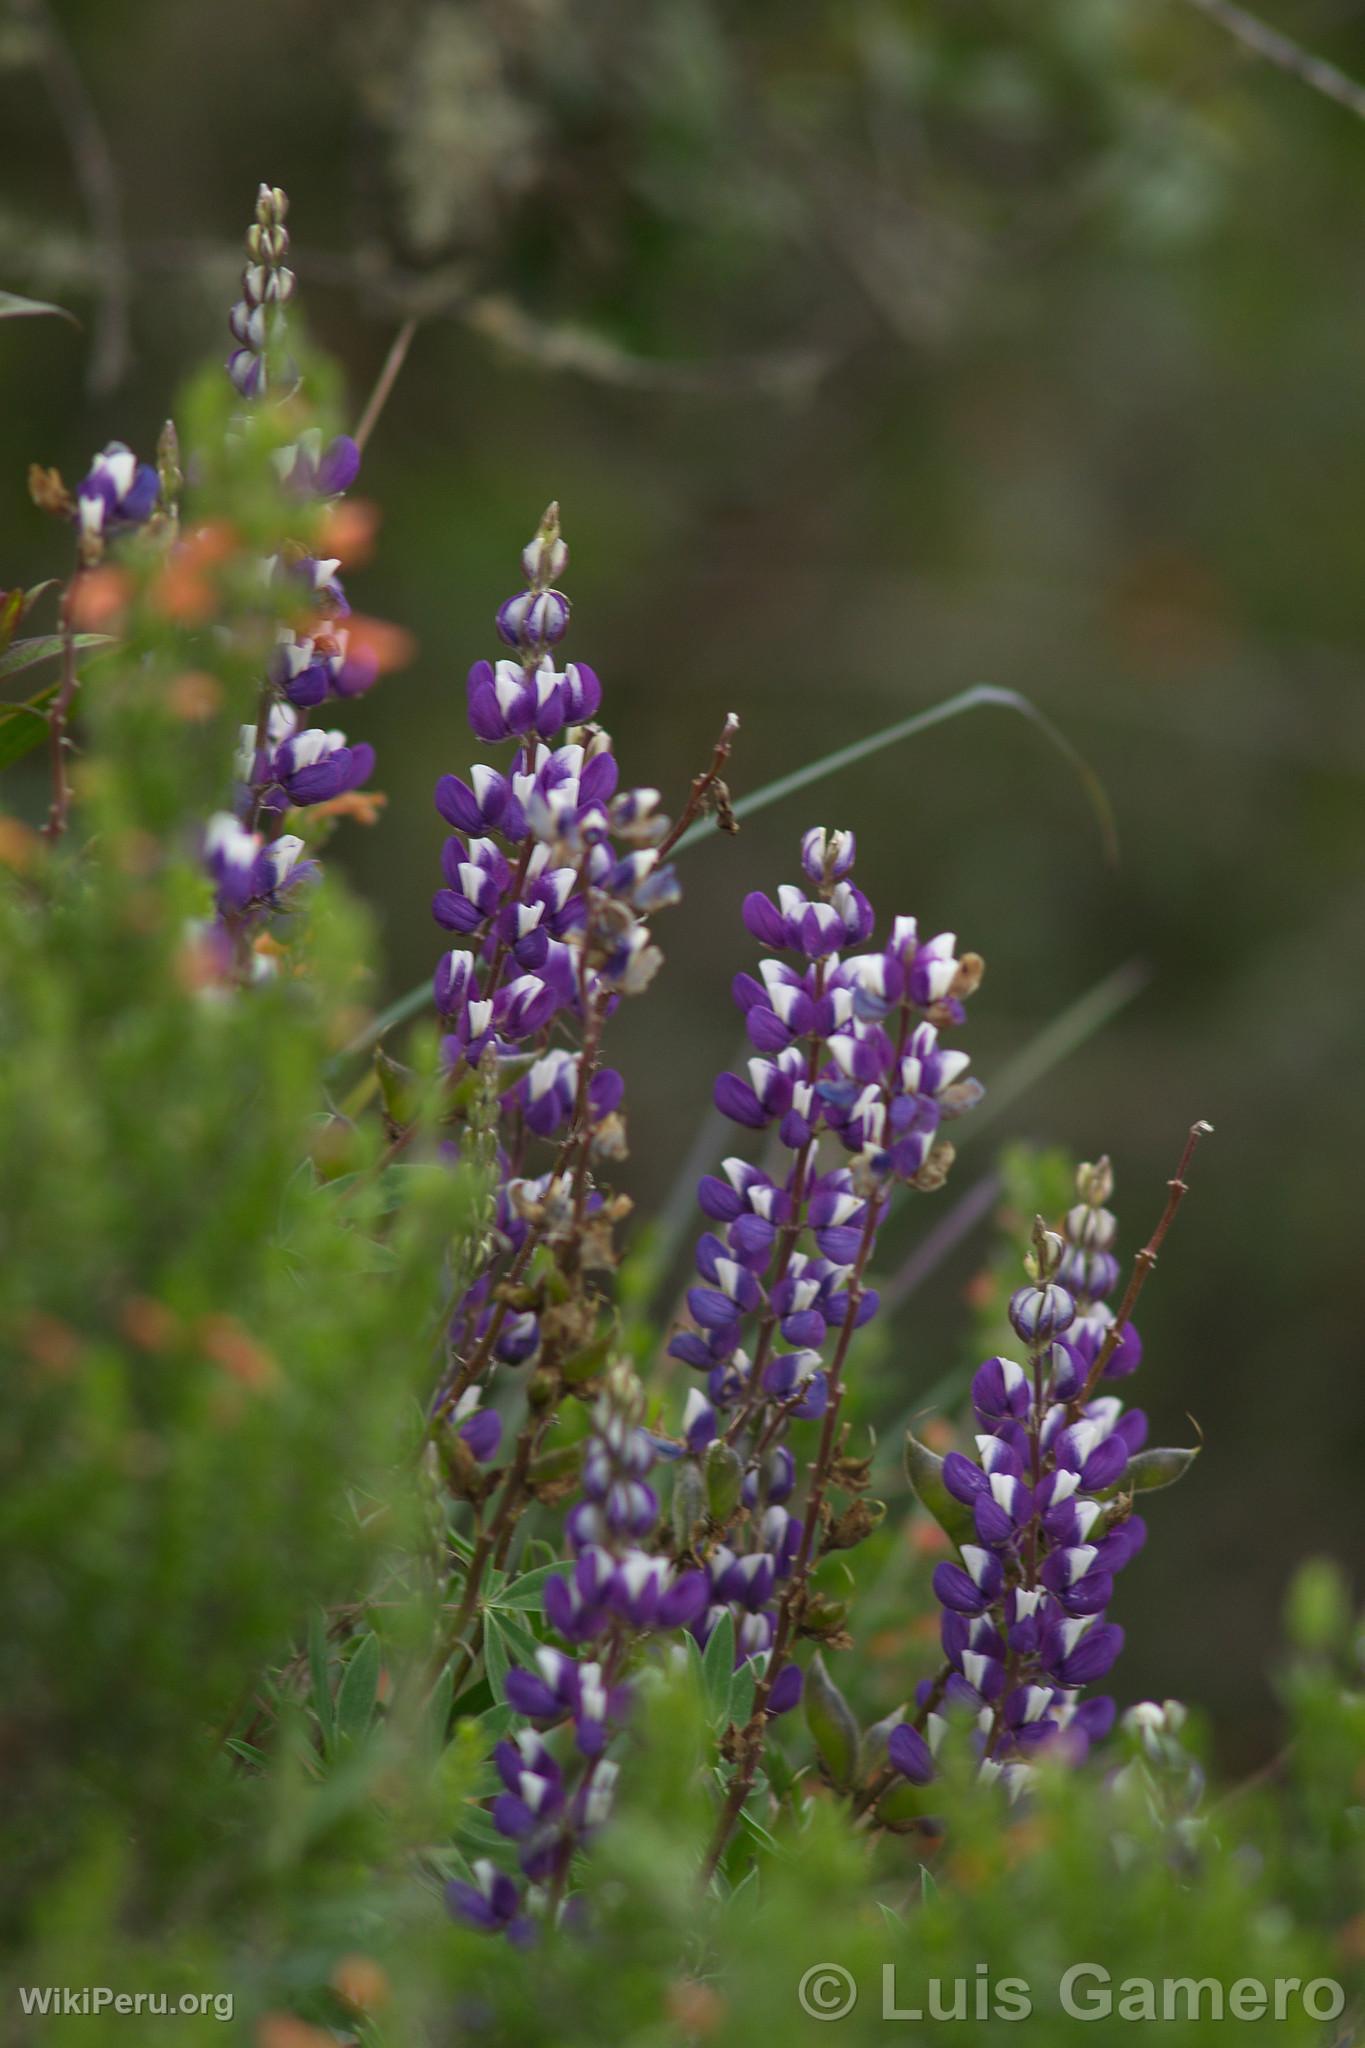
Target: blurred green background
<point>874,350</point>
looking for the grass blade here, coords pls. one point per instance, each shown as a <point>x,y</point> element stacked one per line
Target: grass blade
<point>983,696</point>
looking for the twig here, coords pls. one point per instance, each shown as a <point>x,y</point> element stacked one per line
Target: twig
<point>1142,1266</point>
<point>58,718</point>
<point>1286,55</point>
<point>384,383</point>
<point>704,791</point>
<point>93,164</point>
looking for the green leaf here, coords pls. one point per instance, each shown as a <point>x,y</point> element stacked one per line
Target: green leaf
<point>742,1689</point>
<point>528,1590</point>
<point>831,1723</point>
<point>717,1666</point>
<point>1148,1471</point>
<point>982,696</point>
<point>358,1692</point>
<point>248,1752</point>
<point>760,1834</point>
<point>13,307</point>
<point>437,1712</point>
<point>319,1665</point>
<point>11,611</point>
<point>518,1638</point>
<point>925,1470</point>
<point>496,1723</point>
<point>22,654</point>
<point>24,726</point>
<point>496,1661</point>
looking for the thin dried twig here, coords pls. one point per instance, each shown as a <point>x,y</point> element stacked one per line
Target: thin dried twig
<point>1177,1189</point>
<point>384,383</point>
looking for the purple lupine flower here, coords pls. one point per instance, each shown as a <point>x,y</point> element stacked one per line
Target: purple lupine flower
<point>248,873</point>
<point>1025,1625</point>
<point>310,470</point>
<point>479,1428</point>
<point>492,1903</point>
<point>846,1048</point>
<point>257,320</point>
<point>910,1754</point>
<point>117,493</point>
<point>614,1596</point>
<point>548,882</point>
<point>282,763</point>
<point>314,767</point>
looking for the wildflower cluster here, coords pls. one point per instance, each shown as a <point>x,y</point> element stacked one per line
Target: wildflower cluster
<point>283,762</point>
<point>695,1546</point>
<point>550,874</point>
<point>851,1078</point>
<point>1024,1624</point>
<point>618,1593</point>
<point>550,877</point>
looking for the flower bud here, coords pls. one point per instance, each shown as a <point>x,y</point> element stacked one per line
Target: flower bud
<point>1038,1314</point>
<point>1095,1183</point>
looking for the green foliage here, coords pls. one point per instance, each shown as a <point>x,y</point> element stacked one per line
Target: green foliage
<point>244,1741</point>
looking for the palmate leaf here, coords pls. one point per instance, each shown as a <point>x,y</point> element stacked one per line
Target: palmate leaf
<point>984,696</point>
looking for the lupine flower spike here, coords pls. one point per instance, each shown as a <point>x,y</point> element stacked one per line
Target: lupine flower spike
<point>550,875</point>
<point>617,1594</point>
<point>284,764</point>
<point>1025,1608</point>
<point>849,1064</point>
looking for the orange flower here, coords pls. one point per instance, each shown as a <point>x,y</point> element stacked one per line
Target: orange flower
<point>149,1324</point>
<point>52,1344</point>
<point>362,1982</point>
<point>183,589</point>
<point>18,845</point>
<point>99,598</point>
<point>195,696</point>
<point>348,531</point>
<point>388,646</point>
<point>362,805</point>
<point>223,1340</point>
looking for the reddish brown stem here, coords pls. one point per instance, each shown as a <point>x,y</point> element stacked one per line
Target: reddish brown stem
<point>1142,1266</point>
<point>58,718</point>
<point>702,786</point>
